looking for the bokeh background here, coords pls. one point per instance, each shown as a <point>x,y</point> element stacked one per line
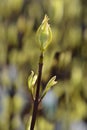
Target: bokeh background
<point>65,105</point>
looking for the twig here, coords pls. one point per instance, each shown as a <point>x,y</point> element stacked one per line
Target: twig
<point>35,107</point>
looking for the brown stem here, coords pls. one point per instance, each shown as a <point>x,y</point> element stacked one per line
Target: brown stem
<point>35,107</point>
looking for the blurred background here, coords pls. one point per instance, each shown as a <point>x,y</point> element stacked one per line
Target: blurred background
<point>65,105</point>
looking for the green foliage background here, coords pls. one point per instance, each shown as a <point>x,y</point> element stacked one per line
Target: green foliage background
<point>19,20</point>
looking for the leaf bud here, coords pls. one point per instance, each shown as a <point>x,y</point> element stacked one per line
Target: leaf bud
<point>44,34</point>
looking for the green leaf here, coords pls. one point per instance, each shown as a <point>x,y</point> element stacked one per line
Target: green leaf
<point>50,84</point>
<point>31,83</point>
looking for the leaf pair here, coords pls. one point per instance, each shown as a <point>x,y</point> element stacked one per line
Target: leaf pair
<point>32,85</point>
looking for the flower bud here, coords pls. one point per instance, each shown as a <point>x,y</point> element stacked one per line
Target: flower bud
<point>44,34</point>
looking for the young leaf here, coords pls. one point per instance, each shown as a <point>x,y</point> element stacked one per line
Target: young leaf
<point>31,83</point>
<point>50,84</point>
